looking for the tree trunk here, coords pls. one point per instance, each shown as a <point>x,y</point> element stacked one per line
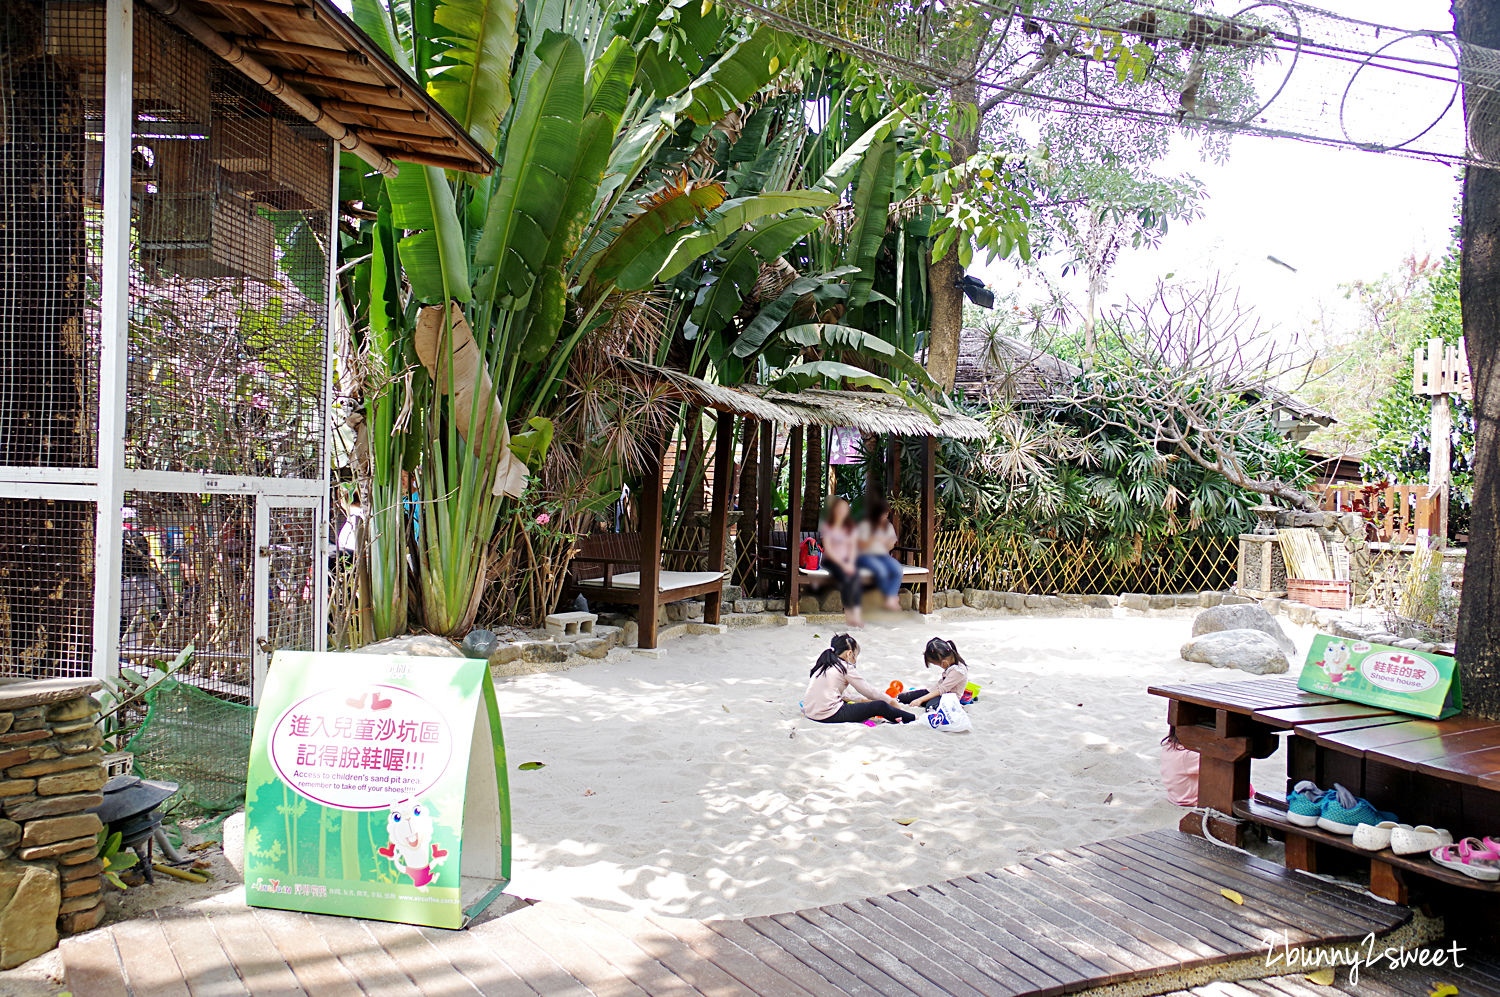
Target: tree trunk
<point>946,320</point>
<point>46,595</point>
<point>1478,22</point>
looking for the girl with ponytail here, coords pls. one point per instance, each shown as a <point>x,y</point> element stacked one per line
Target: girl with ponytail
<point>831,679</point>
<point>944,654</point>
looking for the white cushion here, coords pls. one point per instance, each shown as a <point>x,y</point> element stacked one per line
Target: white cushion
<point>668,581</point>
<point>909,572</point>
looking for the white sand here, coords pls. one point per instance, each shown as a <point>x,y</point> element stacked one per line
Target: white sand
<point>691,785</point>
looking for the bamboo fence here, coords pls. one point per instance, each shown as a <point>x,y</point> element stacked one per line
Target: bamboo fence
<point>966,559</point>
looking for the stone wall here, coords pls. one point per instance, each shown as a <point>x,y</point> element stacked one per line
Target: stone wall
<point>52,762</point>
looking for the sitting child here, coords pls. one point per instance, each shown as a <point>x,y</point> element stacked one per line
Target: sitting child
<point>1179,771</point>
<point>944,654</point>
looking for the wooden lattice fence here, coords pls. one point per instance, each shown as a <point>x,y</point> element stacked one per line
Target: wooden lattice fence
<point>967,559</point>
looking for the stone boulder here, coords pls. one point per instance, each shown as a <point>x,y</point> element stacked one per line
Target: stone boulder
<point>30,898</point>
<point>1242,617</point>
<point>1252,651</point>
<point>414,646</point>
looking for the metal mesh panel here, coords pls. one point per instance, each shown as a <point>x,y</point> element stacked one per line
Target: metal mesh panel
<point>228,283</point>
<point>292,621</point>
<point>46,588</point>
<point>187,577</point>
<point>51,97</point>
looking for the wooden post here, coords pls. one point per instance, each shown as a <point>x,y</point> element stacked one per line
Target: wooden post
<point>929,519</point>
<point>650,542</point>
<point>1440,465</point>
<point>794,523</point>
<point>718,515</point>
<point>893,470</point>
<point>767,504</point>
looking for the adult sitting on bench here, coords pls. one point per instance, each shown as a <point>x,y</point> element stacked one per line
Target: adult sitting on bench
<point>840,553</point>
<point>877,536</point>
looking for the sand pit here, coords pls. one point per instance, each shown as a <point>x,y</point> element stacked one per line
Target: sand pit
<point>691,785</point>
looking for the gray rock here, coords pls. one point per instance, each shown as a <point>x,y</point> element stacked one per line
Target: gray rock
<point>1033,602</point>
<point>1242,617</point>
<point>1210,599</point>
<point>775,605</point>
<point>753,605</point>
<point>1446,649</point>
<point>904,600</point>
<point>955,599</point>
<point>808,605</point>
<point>1101,601</point>
<point>693,610</point>
<point>1383,637</point>
<point>233,830</point>
<point>1409,643</point>
<point>1300,614</point>
<point>831,602</point>
<point>676,612</point>
<point>1013,601</point>
<point>1252,651</point>
<point>1055,603</point>
<point>1185,601</point>
<point>630,634</point>
<point>1425,648</point>
<point>971,598</point>
<point>414,646</point>
<point>1163,601</point>
<point>544,651</point>
<point>591,647</point>
<point>1236,600</point>
<point>1135,600</point>
<point>733,593</point>
<point>1273,605</point>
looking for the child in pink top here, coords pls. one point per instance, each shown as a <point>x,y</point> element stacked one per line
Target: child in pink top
<point>831,679</point>
<point>944,654</point>
<point>1179,771</point>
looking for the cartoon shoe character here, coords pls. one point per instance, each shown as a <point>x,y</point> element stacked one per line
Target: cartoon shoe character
<point>1336,662</point>
<point>411,848</point>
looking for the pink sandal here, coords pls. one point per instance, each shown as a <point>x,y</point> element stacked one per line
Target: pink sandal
<point>1474,858</point>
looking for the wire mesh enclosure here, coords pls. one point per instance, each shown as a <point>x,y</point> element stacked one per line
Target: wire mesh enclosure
<point>163,363</point>
<point>1273,67</point>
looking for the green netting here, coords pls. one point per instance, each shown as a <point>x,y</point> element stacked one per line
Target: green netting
<point>198,741</point>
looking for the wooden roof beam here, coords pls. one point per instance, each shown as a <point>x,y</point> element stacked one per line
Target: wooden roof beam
<point>279,47</point>
<point>272,83</point>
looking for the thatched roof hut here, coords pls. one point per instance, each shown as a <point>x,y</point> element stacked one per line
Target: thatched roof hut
<point>996,368</point>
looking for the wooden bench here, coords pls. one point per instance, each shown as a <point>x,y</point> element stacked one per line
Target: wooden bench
<point>608,567</point>
<point>777,559</point>
<point>1440,772</point>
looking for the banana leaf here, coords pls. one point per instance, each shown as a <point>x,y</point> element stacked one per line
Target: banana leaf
<point>471,78</point>
<point>740,268</point>
<point>541,150</point>
<point>733,216</point>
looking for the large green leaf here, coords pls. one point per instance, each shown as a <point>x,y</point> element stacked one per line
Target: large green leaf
<point>770,317</point>
<point>740,268</point>
<point>732,216</point>
<point>847,339</point>
<point>872,204</point>
<point>541,150</point>
<point>471,78</point>
<point>842,170</point>
<point>433,254</point>
<point>736,76</point>
<point>677,46</point>
<point>634,257</point>
<point>375,20</point>
<point>610,78</point>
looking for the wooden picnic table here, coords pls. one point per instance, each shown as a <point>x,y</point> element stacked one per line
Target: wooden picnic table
<point>1440,772</point>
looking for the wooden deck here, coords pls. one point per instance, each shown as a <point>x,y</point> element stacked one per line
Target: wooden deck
<point>1114,911</point>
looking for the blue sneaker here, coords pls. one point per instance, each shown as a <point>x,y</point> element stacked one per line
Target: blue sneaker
<point>1343,812</point>
<point>1304,804</point>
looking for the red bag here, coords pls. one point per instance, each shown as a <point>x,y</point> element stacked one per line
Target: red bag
<point>811,555</point>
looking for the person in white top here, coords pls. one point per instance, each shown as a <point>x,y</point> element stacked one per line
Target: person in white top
<point>877,536</point>
<point>828,689</point>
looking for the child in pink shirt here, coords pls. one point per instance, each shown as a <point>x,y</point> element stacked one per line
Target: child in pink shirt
<point>1179,771</point>
<point>831,679</point>
<point>955,676</point>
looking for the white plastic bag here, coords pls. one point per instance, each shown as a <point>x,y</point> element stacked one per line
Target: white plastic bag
<point>949,715</point>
